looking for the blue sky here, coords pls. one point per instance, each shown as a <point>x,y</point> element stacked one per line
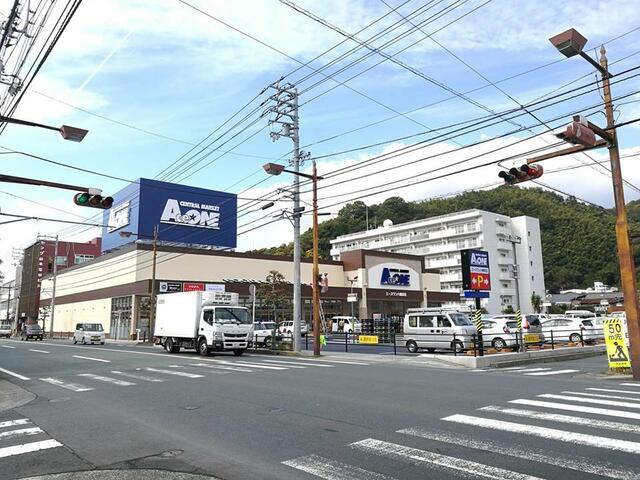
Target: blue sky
<point>161,66</point>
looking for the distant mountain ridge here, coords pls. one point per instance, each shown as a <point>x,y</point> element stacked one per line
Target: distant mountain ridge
<point>578,240</point>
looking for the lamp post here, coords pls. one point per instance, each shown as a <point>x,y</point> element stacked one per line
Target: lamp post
<point>277,169</point>
<point>73,134</point>
<point>571,43</point>
<point>152,299</point>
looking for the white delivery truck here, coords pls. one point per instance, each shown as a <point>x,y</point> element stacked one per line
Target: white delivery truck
<point>206,321</point>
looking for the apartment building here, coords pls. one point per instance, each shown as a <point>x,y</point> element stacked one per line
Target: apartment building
<point>441,238</point>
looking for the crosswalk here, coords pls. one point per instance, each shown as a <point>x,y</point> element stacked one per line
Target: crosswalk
<point>20,436</point>
<point>201,369</point>
<point>528,371</point>
<point>525,444</point>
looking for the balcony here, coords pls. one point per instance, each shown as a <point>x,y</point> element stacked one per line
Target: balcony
<point>451,277</point>
<point>505,260</point>
<point>507,292</point>
<point>505,276</point>
<point>503,231</point>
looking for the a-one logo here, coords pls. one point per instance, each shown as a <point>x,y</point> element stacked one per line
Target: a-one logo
<point>118,217</point>
<point>395,276</point>
<point>194,215</point>
<point>479,259</point>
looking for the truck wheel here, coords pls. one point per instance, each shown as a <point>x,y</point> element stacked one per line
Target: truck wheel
<point>238,351</point>
<point>412,346</point>
<point>203,348</point>
<point>170,346</point>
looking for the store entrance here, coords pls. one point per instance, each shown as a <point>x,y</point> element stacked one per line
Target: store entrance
<point>121,308</point>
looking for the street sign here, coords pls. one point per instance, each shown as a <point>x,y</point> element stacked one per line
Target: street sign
<point>475,270</point>
<point>170,287</point>
<point>193,287</point>
<point>352,297</point>
<point>617,348</point>
<point>252,291</point>
<point>474,294</point>
<point>214,287</point>
<point>368,339</point>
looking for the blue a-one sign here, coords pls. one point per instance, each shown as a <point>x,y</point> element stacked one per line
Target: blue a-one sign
<point>395,277</point>
<point>478,258</point>
<point>182,214</point>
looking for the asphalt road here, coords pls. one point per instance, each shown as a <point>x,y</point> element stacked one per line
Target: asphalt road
<point>344,417</point>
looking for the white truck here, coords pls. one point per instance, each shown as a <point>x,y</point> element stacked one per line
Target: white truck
<point>205,321</point>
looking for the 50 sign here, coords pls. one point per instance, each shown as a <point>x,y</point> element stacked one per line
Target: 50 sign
<point>617,349</point>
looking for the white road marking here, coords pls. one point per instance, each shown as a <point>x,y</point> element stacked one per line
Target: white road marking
<point>331,470</point>
<point>415,456</point>
<point>631,384</point>
<point>578,408</point>
<point>69,386</point>
<point>91,358</point>
<point>572,462</point>
<point>28,447</point>
<point>308,364</point>
<point>535,369</point>
<point>38,351</point>
<point>599,395</point>
<point>330,361</point>
<point>138,376</point>
<point>221,367</point>
<point>173,372</point>
<point>506,369</point>
<point>21,432</point>
<point>215,372</point>
<point>11,423</point>
<point>553,372</point>
<point>613,390</point>
<point>569,398</point>
<point>252,365</point>
<point>7,346</point>
<point>102,378</point>
<point>558,417</point>
<point>14,374</point>
<point>549,433</point>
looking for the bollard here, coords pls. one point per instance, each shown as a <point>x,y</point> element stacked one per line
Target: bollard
<point>394,343</point>
<point>582,335</point>
<point>474,340</point>
<point>346,342</point>
<point>455,350</point>
<point>306,341</point>
<point>552,344</point>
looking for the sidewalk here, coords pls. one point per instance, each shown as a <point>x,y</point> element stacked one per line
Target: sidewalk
<point>12,396</point>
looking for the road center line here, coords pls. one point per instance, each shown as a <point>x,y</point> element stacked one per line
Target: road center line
<point>91,358</point>
<point>38,351</point>
<point>7,346</point>
<point>14,374</point>
<point>549,433</point>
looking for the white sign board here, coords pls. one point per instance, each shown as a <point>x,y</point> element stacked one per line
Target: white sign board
<point>118,217</point>
<point>391,275</point>
<point>352,297</point>
<point>214,287</point>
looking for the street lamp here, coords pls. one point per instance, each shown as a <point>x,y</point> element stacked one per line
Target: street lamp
<point>152,300</point>
<point>571,43</point>
<point>72,134</point>
<point>277,169</point>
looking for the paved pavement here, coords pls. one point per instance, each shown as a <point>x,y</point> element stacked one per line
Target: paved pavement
<point>340,417</point>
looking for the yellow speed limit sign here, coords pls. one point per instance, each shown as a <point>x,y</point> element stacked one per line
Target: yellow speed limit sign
<point>617,350</point>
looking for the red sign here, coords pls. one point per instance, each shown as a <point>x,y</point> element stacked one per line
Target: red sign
<point>192,287</point>
<point>480,281</point>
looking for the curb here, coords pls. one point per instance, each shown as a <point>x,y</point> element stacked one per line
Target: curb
<point>142,474</point>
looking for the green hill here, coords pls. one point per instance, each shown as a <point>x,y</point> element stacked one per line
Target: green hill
<point>578,240</point>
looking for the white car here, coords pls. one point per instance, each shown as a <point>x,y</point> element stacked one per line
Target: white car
<point>263,332</point>
<point>349,325</point>
<point>89,333</point>
<point>5,329</point>
<point>574,330</point>
<point>437,328</point>
<point>287,327</point>
<point>500,333</point>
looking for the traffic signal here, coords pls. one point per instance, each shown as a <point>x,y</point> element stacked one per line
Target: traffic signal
<point>86,199</point>
<point>525,172</point>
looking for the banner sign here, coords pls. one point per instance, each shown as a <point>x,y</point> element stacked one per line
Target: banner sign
<point>193,287</point>
<point>475,270</point>
<point>368,339</point>
<point>170,287</point>
<point>214,287</point>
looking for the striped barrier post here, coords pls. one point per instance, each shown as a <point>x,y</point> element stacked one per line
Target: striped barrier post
<point>519,320</point>
<point>478,322</point>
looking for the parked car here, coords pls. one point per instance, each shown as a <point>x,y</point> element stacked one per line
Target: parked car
<point>32,331</point>
<point>573,330</point>
<point>531,327</point>
<point>500,333</point>
<point>287,327</point>
<point>436,328</point>
<point>350,324</point>
<point>579,314</point>
<point>263,332</point>
<point>5,329</point>
<point>89,333</point>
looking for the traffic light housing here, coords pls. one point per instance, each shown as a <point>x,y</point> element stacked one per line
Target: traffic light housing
<point>524,173</point>
<point>86,199</point>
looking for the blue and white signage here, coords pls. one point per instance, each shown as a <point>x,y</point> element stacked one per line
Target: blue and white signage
<point>393,275</point>
<point>183,215</point>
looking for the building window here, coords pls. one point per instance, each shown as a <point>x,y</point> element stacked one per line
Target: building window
<point>530,248</point>
<point>61,260</point>
<point>458,228</point>
<point>529,233</point>
<point>532,278</point>
<point>531,262</point>
<point>82,258</point>
<point>460,244</point>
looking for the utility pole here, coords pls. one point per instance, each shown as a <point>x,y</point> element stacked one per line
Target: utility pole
<point>285,109</point>
<point>316,268</point>
<point>516,276</point>
<point>152,310</point>
<point>55,272</point>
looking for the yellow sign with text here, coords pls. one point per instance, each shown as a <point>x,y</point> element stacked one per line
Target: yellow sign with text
<point>617,350</point>
<point>368,339</point>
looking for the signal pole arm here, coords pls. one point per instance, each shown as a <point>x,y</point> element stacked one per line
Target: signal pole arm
<point>44,183</point>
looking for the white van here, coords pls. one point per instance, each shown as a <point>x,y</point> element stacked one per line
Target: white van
<point>437,328</point>
<point>89,333</point>
<point>586,314</point>
<point>350,325</point>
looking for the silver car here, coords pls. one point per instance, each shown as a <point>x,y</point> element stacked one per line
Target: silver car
<point>574,330</point>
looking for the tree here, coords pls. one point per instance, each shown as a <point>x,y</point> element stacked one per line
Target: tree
<point>536,302</point>
<point>273,293</point>
<point>508,310</point>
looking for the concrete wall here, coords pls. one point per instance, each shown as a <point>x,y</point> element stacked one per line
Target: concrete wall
<point>530,261</point>
<point>93,311</point>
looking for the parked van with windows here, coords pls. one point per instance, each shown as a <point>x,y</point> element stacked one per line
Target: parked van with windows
<point>349,325</point>
<point>437,328</point>
<point>89,333</point>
